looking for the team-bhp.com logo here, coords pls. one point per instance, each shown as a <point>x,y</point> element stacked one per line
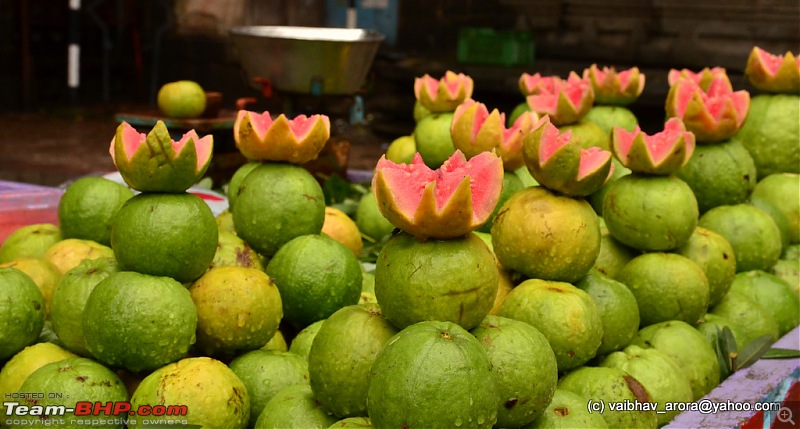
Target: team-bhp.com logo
<point>86,412</point>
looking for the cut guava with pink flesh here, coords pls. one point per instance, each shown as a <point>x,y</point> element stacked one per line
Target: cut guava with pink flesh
<point>713,115</point>
<point>561,164</point>
<point>615,88</point>
<point>300,126</point>
<point>445,94</point>
<point>259,137</point>
<point>567,102</point>
<point>661,153</point>
<point>773,73</point>
<point>132,140</point>
<point>474,130</point>
<point>444,203</point>
<point>702,78</point>
<point>154,162</point>
<point>530,84</point>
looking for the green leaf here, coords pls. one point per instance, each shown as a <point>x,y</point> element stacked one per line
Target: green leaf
<point>778,353</point>
<point>372,248</point>
<point>722,359</point>
<point>752,351</point>
<point>348,206</point>
<point>727,349</point>
<point>729,340</point>
<point>338,190</point>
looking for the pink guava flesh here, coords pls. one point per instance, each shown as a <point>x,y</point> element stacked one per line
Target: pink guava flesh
<point>259,121</point>
<point>203,146</point>
<point>592,159</point>
<point>771,62</point>
<point>300,126</point>
<point>408,182</point>
<point>552,141</point>
<point>131,140</point>
<point>716,99</point>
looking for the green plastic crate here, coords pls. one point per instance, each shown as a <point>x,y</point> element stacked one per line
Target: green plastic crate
<point>489,47</point>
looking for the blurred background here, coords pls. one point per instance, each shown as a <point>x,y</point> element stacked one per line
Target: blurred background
<point>51,132</point>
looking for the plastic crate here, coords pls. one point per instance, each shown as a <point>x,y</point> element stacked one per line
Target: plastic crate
<point>23,204</point>
<point>489,47</point>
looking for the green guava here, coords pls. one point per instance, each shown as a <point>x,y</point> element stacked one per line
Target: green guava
<point>213,396</point>
<point>160,234</point>
<point>294,407</point>
<point>225,221</point>
<point>22,364</point>
<point>370,220</point>
<point>402,149</point>
<point>432,374</point>
<point>568,410</point>
<point>182,99</point>
<point>719,174</point>
<point>448,280</point>
<point>773,293</point>
<point>667,286</point>
<point>367,288</point>
<point>770,133</point>
<point>232,251</point>
<point>30,241</point>
<point>88,206</point>
<point>276,203</point>
<point>608,117</point>
<point>22,312</point>
<point>690,350</point>
<point>432,137</point>
<point>612,385</point>
<point>138,322</point>
<point>777,194</point>
<point>302,342</point>
<point>352,423</point>
<point>650,213</point>
<point>316,275</point>
<point>751,319</point>
<point>567,316</point>
<point>265,373</point>
<point>339,376</point>
<point>234,186</point>
<point>420,111</point>
<point>789,271</point>
<point>596,198</point>
<point>277,343</point>
<point>543,235</point>
<point>42,272</point>
<point>751,232</point>
<point>618,308</point>
<point>73,379</point>
<point>238,310</point>
<point>524,366</point>
<point>69,300</point>
<point>613,254</point>
<point>658,373</point>
<point>714,255</point>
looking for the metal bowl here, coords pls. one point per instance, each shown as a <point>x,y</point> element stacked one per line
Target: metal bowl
<point>306,60</point>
